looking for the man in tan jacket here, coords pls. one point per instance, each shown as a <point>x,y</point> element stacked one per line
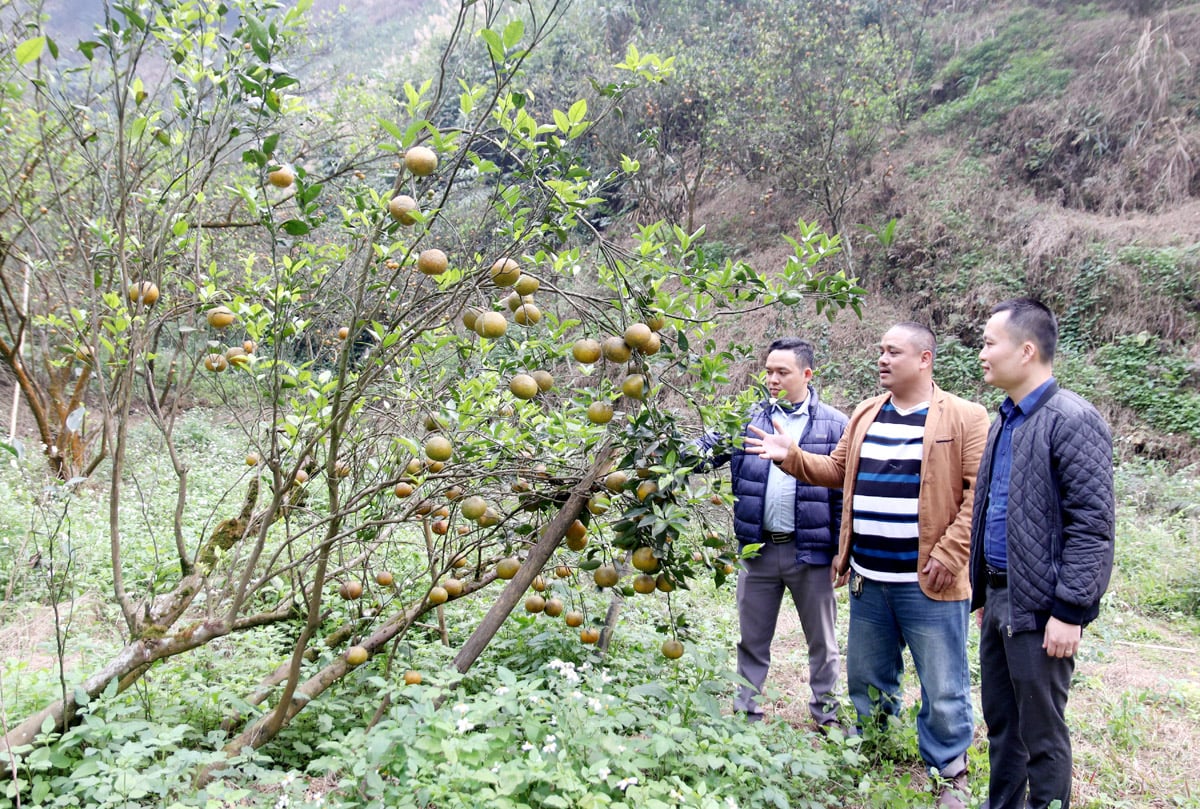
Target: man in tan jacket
<point>906,464</point>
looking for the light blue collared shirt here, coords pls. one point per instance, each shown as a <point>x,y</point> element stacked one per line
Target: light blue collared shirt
<point>779,506</point>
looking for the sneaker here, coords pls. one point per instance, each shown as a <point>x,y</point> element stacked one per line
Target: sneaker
<point>954,792</point>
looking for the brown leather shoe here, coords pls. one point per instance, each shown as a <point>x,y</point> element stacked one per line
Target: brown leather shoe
<point>954,792</point>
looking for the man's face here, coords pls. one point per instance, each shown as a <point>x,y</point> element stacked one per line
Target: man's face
<point>900,362</point>
<point>785,378</point>
<point>1002,354</point>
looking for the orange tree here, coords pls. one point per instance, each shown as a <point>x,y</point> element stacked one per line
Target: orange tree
<point>442,367</point>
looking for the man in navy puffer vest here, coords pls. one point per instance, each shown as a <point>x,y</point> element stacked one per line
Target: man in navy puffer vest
<point>797,526</point>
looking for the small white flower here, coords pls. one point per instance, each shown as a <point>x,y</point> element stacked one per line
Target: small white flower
<point>576,694</point>
<point>675,795</point>
<point>534,699</point>
<point>549,747</point>
<point>502,690</point>
<point>526,747</point>
<point>626,783</point>
<point>554,720</point>
<point>606,677</point>
<point>730,802</point>
<point>461,708</point>
<point>496,769</point>
<point>464,725</point>
<point>603,772</point>
<point>595,704</point>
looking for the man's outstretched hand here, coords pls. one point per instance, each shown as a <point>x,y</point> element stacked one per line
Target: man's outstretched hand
<point>773,446</point>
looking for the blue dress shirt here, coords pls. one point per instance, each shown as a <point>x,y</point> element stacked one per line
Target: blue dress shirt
<point>1012,416</point>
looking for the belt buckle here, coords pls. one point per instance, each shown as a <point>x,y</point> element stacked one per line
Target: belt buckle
<point>778,537</point>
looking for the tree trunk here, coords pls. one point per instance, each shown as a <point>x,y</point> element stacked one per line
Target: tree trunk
<point>532,566</point>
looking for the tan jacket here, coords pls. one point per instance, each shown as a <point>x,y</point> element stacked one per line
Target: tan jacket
<point>955,435</point>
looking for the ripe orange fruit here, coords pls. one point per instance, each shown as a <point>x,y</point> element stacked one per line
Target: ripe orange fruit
<point>586,351</point>
<point>357,655</point>
<point>645,489</point>
<point>145,293</point>
<point>438,448</point>
<point>645,560</point>
<point>220,317</point>
<point>539,583</point>
<point>615,349</point>
<point>412,677</point>
<point>577,535</point>
<point>554,607</point>
<point>453,587</point>
<point>544,380</point>
<point>598,504</point>
<point>672,649</point>
<point>600,412</point>
<point>473,507</point>
<point>527,285</point>
<point>634,386</point>
<point>491,325</point>
<point>421,160</point>
<point>615,481</point>
<point>527,314</point>
<point>343,332</point>
<point>351,590</point>
<point>401,208</point>
<point>403,489</point>
<point>589,635</point>
<point>664,583</point>
<point>505,272</point>
<point>384,578</point>
<point>606,576</point>
<point>523,386</point>
<point>643,583</point>
<point>236,355</point>
<point>432,261</point>
<point>562,571</point>
<point>638,334</point>
<point>438,595</point>
<point>282,177</point>
<point>507,567</point>
<point>216,363</point>
<point>535,603</point>
<point>652,346</point>
<point>574,618</point>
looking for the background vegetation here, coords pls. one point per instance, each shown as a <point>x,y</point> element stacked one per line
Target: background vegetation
<point>177,544</point>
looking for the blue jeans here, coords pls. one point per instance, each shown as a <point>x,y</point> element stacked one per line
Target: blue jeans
<point>883,619</point>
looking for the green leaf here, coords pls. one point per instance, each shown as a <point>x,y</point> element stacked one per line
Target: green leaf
<point>30,50</point>
<point>495,48</point>
<point>295,227</point>
<point>390,128</point>
<point>513,33</point>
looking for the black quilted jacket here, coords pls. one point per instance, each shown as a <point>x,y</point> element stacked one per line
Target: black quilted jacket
<point>1061,519</point>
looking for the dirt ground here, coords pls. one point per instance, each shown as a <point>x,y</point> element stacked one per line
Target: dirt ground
<point>1134,710</point>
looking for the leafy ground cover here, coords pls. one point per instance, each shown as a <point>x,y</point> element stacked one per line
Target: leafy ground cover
<point>544,720</point>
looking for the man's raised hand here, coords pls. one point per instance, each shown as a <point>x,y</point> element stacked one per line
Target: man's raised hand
<point>774,446</point>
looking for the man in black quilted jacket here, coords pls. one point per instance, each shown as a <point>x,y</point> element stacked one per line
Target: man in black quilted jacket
<point>1041,554</point>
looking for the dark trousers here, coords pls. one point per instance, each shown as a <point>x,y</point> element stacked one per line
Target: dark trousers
<point>1024,695</point>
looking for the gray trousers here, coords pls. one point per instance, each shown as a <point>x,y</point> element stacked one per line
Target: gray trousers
<point>761,584</point>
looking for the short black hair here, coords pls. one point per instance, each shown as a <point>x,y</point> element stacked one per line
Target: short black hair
<point>922,336</point>
<point>805,355</point>
<point>1030,319</point>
